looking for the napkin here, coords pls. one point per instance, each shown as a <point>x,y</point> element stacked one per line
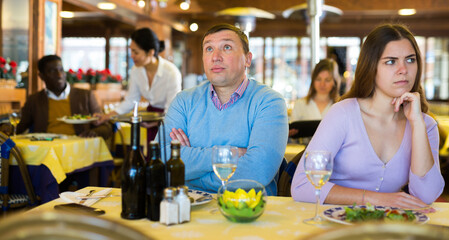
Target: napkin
<point>77,197</point>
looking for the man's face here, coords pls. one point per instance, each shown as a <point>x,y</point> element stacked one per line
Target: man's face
<point>224,59</point>
<point>54,76</point>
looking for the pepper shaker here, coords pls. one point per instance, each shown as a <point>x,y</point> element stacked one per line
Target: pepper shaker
<point>169,207</point>
<point>184,204</point>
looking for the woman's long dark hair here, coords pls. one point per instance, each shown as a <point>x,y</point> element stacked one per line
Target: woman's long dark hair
<point>370,54</point>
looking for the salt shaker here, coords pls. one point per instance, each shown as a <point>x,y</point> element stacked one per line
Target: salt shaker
<point>169,207</point>
<point>184,204</point>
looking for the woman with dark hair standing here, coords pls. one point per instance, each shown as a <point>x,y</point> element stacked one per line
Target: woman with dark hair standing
<point>379,134</point>
<point>152,77</point>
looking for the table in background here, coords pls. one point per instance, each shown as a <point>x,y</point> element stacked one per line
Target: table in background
<point>126,131</point>
<point>49,162</point>
<point>443,122</point>
<point>292,150</point>
<point>282,219</point>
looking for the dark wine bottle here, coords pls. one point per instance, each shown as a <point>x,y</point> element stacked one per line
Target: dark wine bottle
<point>175,166</point>
<point>133,175</point>
<point>155,183</point>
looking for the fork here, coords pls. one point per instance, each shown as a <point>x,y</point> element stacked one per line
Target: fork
<point>86,197</point>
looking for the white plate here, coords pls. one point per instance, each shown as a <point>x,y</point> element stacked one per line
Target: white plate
<point>42,135</point>
<point>338,214</point>
<point>196,194</point>
<point>77,121</point>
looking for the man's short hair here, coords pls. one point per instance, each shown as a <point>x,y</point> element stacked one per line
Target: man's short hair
<point>225,26</point>
<point>42,63</point>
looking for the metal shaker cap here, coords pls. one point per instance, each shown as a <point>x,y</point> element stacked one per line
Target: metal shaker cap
<point>183,190</point>
<point>169,192</point>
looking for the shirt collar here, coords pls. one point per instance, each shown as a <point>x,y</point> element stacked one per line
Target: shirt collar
<point>159,71</point>
<point>64,94</point>
<point>239,91</point>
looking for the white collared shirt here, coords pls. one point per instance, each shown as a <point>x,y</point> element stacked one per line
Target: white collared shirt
<point>307,111</point>
<point>64,94</point>
<point>166,84</point>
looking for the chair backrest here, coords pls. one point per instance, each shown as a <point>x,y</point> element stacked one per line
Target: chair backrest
<point>305,128</point>
<point>286,173</point>
<point>15,152</point>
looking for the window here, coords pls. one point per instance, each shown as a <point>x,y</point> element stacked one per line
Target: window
<point>284,62</point>
<point>83,53</point>
<point>436,76</point>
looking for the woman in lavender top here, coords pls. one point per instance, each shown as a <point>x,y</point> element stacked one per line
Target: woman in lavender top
<point>379,133</point>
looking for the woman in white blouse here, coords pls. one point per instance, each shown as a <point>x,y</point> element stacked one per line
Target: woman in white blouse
<point>323,92</point>
<point>152,77</point>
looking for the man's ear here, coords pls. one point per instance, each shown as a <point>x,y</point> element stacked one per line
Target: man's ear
<point>248,58</point>
<point>43,78</point>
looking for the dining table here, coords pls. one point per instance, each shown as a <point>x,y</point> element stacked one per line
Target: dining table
<point>123,137</point>
<point>282,219</point>
<point>292,150</point>
<point>443,122</point>
<point>51,157</point>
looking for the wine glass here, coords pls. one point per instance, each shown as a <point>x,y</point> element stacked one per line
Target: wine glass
<point>318,167</point>
<point>224,162</point>
<point>14,119</point>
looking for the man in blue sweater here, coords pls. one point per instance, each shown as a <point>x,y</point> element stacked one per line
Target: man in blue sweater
<point>229,109</point>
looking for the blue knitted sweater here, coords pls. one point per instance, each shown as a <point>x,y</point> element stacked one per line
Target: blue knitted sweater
<point>257,121</point>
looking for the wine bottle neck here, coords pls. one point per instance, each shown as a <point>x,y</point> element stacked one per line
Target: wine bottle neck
<point>155,154</point>
<point>135,135</point>
<point>175,153</point>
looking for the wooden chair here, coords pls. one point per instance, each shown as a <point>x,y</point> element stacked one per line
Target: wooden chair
<point>8,200</point>
<point>286,173</point>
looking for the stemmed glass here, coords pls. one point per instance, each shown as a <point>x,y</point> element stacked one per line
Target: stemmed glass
<point>318,167</point>
<point>14,119</point>
<point>224,162</point>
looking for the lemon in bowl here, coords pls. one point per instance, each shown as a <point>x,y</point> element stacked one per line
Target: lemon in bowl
<point>242,200</point>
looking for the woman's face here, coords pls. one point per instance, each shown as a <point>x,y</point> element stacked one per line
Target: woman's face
<point>139,56</point>
<point>396,69</point>
<point>324,82</point>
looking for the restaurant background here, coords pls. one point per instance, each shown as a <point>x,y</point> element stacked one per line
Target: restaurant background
<point>94,42</point>
<point>98,39</point>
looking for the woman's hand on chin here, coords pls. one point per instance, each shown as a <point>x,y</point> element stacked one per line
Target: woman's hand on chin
<point>411,105</point>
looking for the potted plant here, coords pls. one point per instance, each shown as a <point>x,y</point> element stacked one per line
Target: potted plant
<point>106,80</point>
<point>78,79</point>
<point>8,71</point>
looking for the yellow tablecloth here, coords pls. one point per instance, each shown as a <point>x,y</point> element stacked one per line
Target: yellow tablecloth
<point>282,219</point>
<point>292,150</point>
<point>126,131</point>
<point>443,121</point>
<point>63,156</point>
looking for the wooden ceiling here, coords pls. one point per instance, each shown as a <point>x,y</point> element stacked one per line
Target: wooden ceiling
<point>359,16</point>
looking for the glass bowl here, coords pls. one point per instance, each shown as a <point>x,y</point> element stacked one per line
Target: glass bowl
<point>242,200</point>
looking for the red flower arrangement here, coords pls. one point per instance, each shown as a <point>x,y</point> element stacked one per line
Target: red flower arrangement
<point>105,76</point>
<point>8,69</point>
<point>91,76</point>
